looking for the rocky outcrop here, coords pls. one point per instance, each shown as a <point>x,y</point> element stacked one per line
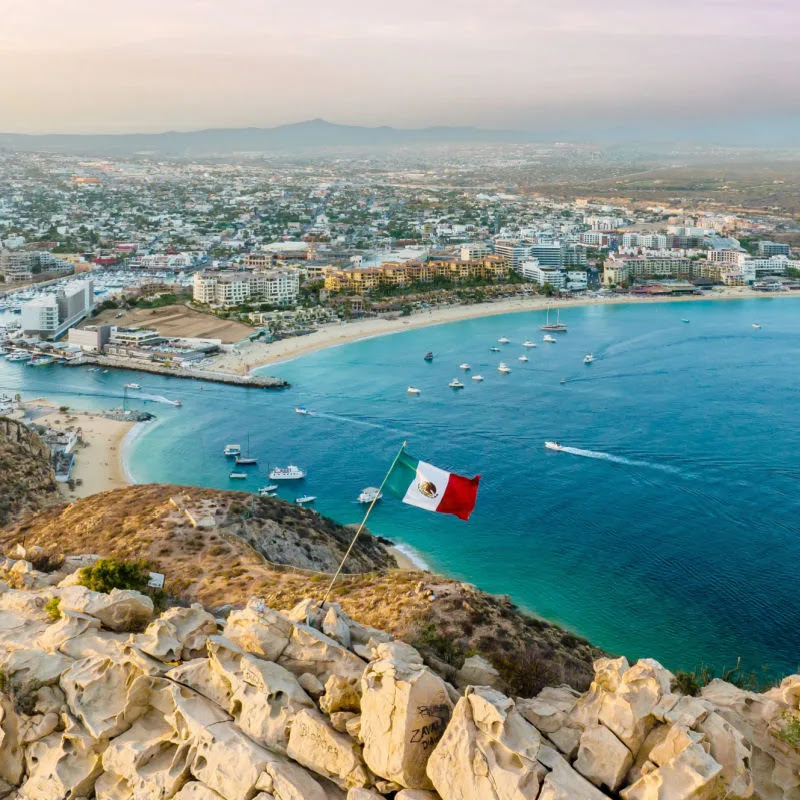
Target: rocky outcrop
<point>107,702</point>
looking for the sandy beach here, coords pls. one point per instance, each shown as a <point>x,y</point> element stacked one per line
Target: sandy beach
<point>251,355</point>
<point>98,461</point>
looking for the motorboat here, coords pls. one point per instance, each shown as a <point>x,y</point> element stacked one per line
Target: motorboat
<point>18,355</point>
<point>245,461</point>
<point>528,343</point>
<point>370,495</point>
<point>756,326</point>
<point>269,490</point>
<point>455,384</point>
<point>306,498</point>
<point>41,361</point>
<point>239,476</point>
<point>563,381</point>
<point>684,320</point>
<point>503,368</point>
<point>495,349</point>
<point>557,326</point>
<point>503,340</point>
<point>428,356</point>
<point>550,339</point>
<point>522,358</point>
<point>413,390</point>
<point>301,410</point>
<point>132,386</point>
<point>553,446</point>
<point>232,449</point>
<point>289,473</point>
<point>464,366</point>
<point>477,377</point>
<point>588,358</point>
<point>94,369</point>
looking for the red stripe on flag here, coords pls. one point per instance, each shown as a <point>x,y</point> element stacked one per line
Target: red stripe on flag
<point>459,496</point>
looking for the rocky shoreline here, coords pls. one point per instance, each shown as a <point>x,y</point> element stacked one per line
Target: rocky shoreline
<point>102,699</point>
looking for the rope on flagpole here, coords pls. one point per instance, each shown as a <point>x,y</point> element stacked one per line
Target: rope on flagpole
<point>363,523</point>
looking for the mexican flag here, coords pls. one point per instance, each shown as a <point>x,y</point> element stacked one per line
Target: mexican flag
<point>421,484</point>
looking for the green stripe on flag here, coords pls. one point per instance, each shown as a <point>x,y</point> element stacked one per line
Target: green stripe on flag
<point>402,475</point>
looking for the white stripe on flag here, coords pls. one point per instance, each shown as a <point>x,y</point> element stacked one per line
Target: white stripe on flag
<point>427,489</point>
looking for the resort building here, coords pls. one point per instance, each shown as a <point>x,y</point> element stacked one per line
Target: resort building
<point>228,288</point>
<point>512,251</point>
<point>767,249</point>
<point>49,316</point>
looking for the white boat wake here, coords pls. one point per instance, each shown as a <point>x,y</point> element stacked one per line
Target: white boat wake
<point>629,462</point>
<point>156,398</point>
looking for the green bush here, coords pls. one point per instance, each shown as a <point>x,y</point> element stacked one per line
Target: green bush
<point>53,608</point>
<point>686,683</point>
<point>107,574</point>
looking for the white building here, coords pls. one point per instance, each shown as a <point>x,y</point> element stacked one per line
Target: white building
<point>558,278</point>
<point>50,315</point>
<point>276,287</point>
<point>474,251</point>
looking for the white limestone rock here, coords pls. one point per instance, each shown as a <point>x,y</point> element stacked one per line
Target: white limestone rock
<point>310,650</point>
<point>488,751</point>
<point>730,749</point>
<point>316,745</point>
<point>690,775</point>
<point>404,711</point>
<point>602,758</point>
<point>563,783</point>
<point>120,610</point>
<point>179,634</point>
<point>335,625</point>
<point>477,671</point>
<point>415,794</point>
<point>259,630</point>
<point>341,694</point>
<point>24,666</point>
<point>194,790</point>
<point>11,752</point>
<point>69,625</point>
<point>548,711</point>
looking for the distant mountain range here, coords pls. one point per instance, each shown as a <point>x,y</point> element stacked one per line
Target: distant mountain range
<point>314,134</point>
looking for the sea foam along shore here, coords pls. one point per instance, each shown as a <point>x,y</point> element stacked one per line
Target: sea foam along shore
<point>251,356</point>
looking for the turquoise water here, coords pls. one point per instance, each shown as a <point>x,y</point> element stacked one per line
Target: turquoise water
<point>671,530</point>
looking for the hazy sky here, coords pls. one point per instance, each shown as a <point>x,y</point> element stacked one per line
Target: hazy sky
<point>152,65</point>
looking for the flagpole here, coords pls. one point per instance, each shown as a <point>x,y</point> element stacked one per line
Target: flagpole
<point>363,522</point>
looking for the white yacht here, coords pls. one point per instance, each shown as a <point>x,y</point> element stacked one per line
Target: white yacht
<point>269,490</point>
<point>232,449</point>
<point>503,340</point>
<point>306,498</point>
<point>550,339</point>
<point>132,386</point>
<point>558,326</point>
<point>290,473</point>
<point>553,446</point>
<point>18,355</point>
<point>588,358</point>
<point>370,494</point>
<point>455,384</point>
<point>495,349</point>
<point>522,358</point>
<point>477,377</point>
<point>301,410</point>
<point>528,343</point>
<point>756,325</point>
<point>238,476</point>
<point>464,366</point>
<point>503,368</point>
<point>413,390</point>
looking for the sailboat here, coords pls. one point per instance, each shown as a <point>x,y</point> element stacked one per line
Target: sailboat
<point>247,460</point>
<point>557,326</point>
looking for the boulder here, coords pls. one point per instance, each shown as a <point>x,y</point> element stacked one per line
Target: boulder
<point>310,650</point>
<point>415,794</point>
<point>27,666</point>
<point>548,711</point>
<point>335,625</point>
<point>120,610</point>
<point>198,674</point>
<point>194,790</point>
<point>98,691</point>
<point>285,780</point>
<point>477,671</point>
<point>690,775</point>
<point>488,751</point>
<point>316,745</point>
<point>678,738</point>
<point>69,625</point>
<point>358,793</point>
<point>730,749</point>
<point>602,758</point>
<point>179,634</point>
<point>11,753</point>
<point>563,783</point>
<point>312,684</point>
<point>404,711</point>
<point>341,694</point>
<point>259,630</point>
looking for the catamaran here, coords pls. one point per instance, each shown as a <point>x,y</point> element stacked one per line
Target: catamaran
<point>370,494</point>
<point>557,326</point>
<point>289,473</point>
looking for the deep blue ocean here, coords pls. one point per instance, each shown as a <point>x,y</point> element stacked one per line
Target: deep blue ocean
<point>671,530</point>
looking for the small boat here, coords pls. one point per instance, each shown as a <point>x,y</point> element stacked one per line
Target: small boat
<point>477,377</point>
<point>413,390</point>
<point>684,320</point>
<point>553,446</point>
<point>563,380</point>
<point>588,358</point>
<point>549,339</point>
<point>428,356</point>
<point>18,355</point>
<point>495,349</point>
<point>176,403</point>
<point>503,368</point>
<point>306,498</point>
<point>522,358</point>
<point>289,473</point>
<point>94,369</point>
<point>455,384</point>
<point>557,326</point>
<point>528,343</point>
<point>370,495</point>
<point>104,372</point>
<point>41,361</point>
<point>245,461</point>
<point>132,386</point>
<point>503,340</point>
<point>232,449</point>
<point>268,491</point>
<point>301,410</point>
<point>239,476</point>
<point>464,366</point>
<point>756,326</point>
